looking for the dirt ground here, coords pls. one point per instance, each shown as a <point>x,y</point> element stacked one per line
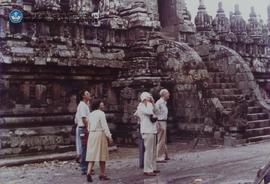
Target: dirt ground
<point>215,165</point>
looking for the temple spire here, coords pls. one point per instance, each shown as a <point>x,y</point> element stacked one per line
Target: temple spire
<point>184,11</point>
<point>237,10</point>
<point>202,5</point>
<point>238,24</point>
<point>220,8</point>
<point>253,13</point>
<point>203,21</point>
<point>254,27</point>
<point>221,23</point>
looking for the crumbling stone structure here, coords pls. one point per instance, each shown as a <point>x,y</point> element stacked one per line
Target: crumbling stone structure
<point>116,49</point>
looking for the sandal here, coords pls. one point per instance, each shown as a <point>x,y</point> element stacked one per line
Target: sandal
<point>89,178</point>
<point>103,178</point>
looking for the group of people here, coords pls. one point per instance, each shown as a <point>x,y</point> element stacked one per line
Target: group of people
<point>93,135</point>
<point>152,118</point>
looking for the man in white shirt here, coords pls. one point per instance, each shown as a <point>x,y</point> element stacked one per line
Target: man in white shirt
<point>149,131</point>
<point>82,121</point>
<point>162,115</point>
<point>78,140</point>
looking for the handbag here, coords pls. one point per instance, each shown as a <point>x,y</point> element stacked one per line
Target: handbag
<point>84,136</point>
<point>73,129</point>
<point>153,119</point>
<point>74,126</point>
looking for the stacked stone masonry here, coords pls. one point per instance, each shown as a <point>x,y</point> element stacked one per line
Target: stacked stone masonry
<point>116,49</point>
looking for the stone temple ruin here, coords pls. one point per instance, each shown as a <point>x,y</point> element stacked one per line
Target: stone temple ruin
<point>118,48</point>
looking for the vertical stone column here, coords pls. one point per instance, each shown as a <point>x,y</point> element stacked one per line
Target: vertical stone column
<point>82,34</point>
<point>24,28</point>
<point>76,36</point>
<point>4,23</point>
<point>167,13</point>
<point>268,13</point>
<point>1,22</point>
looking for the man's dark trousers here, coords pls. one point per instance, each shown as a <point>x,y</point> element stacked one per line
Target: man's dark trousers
<point>83,136</point>
<point>141,151</point>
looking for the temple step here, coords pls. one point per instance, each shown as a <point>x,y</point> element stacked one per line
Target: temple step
<point>232,91</point>
<point>255,132</point>
<point>258,138</point>
<point>255,109</point>
<point>35,121</point>
<point>257,116</point>
<point>221,85</point>
<point>258,123</point>
<point>228,104</point>
<point>224,86</point>
<point>229,97</point>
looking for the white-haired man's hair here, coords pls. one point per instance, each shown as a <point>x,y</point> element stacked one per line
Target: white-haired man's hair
<point>163,92</point>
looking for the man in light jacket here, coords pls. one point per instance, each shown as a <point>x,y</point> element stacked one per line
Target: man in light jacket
<point>162,115</point>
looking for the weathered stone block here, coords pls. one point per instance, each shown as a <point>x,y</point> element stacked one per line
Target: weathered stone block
<point>232,69</point>
<point>40,61</point>
<point>250,76</point>
<point>232,141</point>
<point>252,85</point>
<point>243,85</point>
<point>22,50</point>
<point>241,77</point>
<point>203,50</point>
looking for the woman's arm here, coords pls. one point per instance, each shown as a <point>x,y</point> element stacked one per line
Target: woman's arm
<point>137,116</point>
<point>105,127</point>
<point>146,109</point>
<point>157,107</point>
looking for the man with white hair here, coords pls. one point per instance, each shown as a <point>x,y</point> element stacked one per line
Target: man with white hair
<point>162,115</point>
<point>145,111</point>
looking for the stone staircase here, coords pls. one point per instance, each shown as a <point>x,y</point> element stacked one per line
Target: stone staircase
<point>224,86</point>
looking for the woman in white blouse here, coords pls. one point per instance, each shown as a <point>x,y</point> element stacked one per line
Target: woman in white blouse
<point>149,133</point>
<point>99,136</point>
